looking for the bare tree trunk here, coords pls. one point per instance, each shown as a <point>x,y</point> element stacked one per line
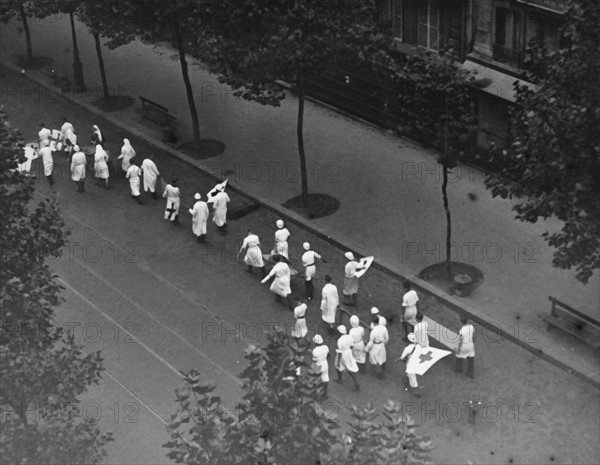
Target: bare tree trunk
<point>78,84</point>
<point>300,132</point>
<point>102,71</point>
<point>27,32</point>
<point>448,222</point>
<point>186,80</point>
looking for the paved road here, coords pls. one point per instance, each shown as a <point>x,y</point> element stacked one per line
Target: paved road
<point>126,269</point>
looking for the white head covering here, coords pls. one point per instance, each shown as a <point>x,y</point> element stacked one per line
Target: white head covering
<point>76,148</point>
<point>197,196</point>
<point>99,149</point>
<point>374,311</point>
<point>317,339</point>
<point>382,321</point>
<point>412,337</point>
<point>349,255</point>
<point>354,321</point>
<point>279,224</point>
<point>306,246</point>
<point>126,143</point>
<point>342,329</point>
<point>97,131</point>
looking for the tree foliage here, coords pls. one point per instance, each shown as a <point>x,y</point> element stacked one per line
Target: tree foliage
<point>253,45</point>
<point>552,164</point>
<point>281,420</point>
<point>42,370</point>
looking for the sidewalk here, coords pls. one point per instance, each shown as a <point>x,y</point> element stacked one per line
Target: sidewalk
<point>395,194</point>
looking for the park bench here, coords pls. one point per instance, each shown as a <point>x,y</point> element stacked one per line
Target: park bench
<point>159,114</point>
<point>573,322</point>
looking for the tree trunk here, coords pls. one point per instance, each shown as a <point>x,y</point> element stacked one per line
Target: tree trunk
<point>186,80</point>
<point>448,222</point>
<point>27,33</point>
<point>101,64</point>
<point>300,133</point>
<point>78,84</point>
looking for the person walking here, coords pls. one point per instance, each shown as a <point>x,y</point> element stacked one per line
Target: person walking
<point>309,260</point>
<point>78,162</point>
<point>220,201</point>
<point>172,194</point>
<point>150,175</point>
<point>376,347</point>
<point>421,331</point>
<point>48,162</point>
<point>44,136</point>
<point>344,361</point>
<point>133,174</point>
<point>69,139</point>
<point>300,329</point>
<point>466,347</point>
<point>330,302</point>
<point>320,354</point>
<point>281,240</point>
<point>350,290</point>
<point>199,217</point>
<point>281,284</point>
<point>97,137</point>
<point>409,302</point>
<point>101,165</point>
<point>253,257</point>
<point>411,378</point>
<point>127,154</point>
<point>357,332</point>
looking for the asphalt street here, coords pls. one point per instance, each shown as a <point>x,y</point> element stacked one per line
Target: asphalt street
<point>155,302</point>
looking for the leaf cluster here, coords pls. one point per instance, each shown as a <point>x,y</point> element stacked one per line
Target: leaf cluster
<point>552,163</point>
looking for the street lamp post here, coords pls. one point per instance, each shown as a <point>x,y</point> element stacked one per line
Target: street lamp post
<point>78,84</point>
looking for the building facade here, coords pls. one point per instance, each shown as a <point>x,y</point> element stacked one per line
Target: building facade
<point>490,37</point>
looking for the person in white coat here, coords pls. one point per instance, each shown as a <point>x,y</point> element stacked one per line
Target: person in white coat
<point>320,354</point>
<point>300,329</point>
<point>220,202</point>
<point>281,284</point>
<point>358,348</point>
<point>409,302</point>
<point>69,139</point>
<point>44,135</point>
<point>376,347</point>
<point>133,174</point>
<point>350,289</point>
<point>199,218</point>
<point>48,161</point>
<point>101,165</point>
<point>253,257</point>
<point>330,301</point>
<point>281,239</point>
<point>309,260</point>
<point>127,154</point>
<point>97,137</point>
<point>172,194</point>
<point>78,162</point>
<point>466,347</point>
<point>150,175</point>
<point>405,357</point>
<point>344,360</point>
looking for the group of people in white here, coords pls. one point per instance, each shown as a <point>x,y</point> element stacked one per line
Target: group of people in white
<point>147,172</point>
<point>352,351</point>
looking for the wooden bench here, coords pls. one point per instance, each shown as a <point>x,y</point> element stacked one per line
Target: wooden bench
<point>573,322</point>
<point>157,113</point>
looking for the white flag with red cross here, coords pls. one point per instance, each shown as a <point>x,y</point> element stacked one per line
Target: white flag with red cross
<point>423,359</point>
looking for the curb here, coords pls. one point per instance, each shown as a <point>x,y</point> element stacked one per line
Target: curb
<point>395,271</point>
